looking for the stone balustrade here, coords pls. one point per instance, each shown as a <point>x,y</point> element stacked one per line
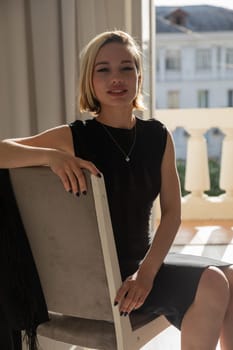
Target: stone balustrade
<point>198,205</point>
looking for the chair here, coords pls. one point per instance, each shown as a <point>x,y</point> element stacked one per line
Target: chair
<point>73,246</point>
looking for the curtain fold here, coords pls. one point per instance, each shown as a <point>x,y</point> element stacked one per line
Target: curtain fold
<point>37,65</point>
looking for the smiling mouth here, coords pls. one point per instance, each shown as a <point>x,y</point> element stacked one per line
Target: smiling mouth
<point>117,92</point>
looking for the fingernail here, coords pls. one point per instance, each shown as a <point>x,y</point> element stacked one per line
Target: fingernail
<point>121,313</point>
<point>99,175</point>
<point>70,191</point>
<point>84,192</point>
<point>126,314</point>
<point>115,303</point>
<point>77,194</point>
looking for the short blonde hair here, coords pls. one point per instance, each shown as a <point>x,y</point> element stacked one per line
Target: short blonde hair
<point>87,99</point>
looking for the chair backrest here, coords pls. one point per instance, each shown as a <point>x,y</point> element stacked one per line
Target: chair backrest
<point>74,250</point>
<point>64,236</point>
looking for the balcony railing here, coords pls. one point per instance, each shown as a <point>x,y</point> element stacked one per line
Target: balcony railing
<point>198,205</point>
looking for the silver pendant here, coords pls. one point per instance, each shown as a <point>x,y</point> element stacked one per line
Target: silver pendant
<point>127,158</point>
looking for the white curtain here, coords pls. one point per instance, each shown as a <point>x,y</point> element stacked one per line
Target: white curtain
<point>40,42</point>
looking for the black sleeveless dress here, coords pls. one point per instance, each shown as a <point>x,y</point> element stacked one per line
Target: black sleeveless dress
<point>131,189</point>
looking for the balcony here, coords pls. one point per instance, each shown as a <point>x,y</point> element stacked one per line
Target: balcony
<point>197,205</point>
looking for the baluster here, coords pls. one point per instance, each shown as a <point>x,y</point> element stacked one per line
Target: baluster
<point>197,171</point>
<point>226,172</point>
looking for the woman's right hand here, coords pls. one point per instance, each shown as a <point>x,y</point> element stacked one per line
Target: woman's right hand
<point>70,170</point>
<point>54,148</point>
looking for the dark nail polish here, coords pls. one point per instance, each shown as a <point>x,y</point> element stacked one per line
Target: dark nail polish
<point>121,313</point>
<point>84,192</point>
<point>70,191</point>
<point>99,175</point>
<point>115,303</point>
<point>126,314</point>
<point>77,194</point>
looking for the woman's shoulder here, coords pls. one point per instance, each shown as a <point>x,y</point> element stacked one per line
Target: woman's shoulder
<point>152,124</point>
<point>82,123</point>
<point>154,133</point>
<point>80,127</point>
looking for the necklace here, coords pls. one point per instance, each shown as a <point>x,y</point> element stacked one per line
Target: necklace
<point>126,155</point>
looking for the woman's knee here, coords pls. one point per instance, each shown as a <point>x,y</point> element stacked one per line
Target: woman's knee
<point>228,272</point>
<point>215,288</point>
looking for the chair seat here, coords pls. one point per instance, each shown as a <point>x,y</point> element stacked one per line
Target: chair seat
<point>80,331</point>
<point>85,332</point>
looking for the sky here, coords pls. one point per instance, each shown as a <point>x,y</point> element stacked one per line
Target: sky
<point>220,3</point>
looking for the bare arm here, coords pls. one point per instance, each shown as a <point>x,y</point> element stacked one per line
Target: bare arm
<point>138,286</point>
<point>34,150</point>
<point>53,148</point>
<point>170,202</point>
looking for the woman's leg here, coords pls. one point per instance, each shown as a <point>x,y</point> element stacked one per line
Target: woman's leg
<point>202,322</point>
<point>226,338</point>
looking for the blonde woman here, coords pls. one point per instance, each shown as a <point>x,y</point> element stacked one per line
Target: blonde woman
<point>137,161</point>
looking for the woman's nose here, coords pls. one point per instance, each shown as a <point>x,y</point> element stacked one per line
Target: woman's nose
<point>116,80</point>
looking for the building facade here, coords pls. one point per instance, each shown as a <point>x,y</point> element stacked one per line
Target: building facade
<point>194,67</point>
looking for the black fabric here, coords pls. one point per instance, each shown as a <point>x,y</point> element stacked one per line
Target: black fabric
<point>6,333</point>
<point>9,338</point>
<point>131,188</point>
<point>22,302</point>
<point>175,286</point>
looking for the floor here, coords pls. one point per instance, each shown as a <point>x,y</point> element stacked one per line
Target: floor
<point>213,239</point>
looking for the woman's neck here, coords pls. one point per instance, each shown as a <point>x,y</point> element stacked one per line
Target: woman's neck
<point>117,118</point>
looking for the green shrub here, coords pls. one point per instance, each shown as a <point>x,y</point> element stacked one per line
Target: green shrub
<point>214,169</point>
<point>181,171</point>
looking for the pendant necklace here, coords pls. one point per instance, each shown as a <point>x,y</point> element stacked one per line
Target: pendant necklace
<point>126,155</point>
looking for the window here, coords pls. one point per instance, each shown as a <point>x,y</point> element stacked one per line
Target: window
<point>173,99</point>
<point>230,98</point>
<point>229,58</point>
<point>203,98</point>
<point>173,60</point>
<point>219,57</point>
<point>193,60</point>
<point>157,63</point>
<point>203,59</point>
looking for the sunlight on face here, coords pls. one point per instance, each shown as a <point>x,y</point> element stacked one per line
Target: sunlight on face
<point>115,76</point>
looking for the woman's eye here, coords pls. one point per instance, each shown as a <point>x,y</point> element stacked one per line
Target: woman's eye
<point>102,70</point>
<point>106,69</point>
<point>128,68</point>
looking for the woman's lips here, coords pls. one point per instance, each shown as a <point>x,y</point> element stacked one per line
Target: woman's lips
<point>117,92</point>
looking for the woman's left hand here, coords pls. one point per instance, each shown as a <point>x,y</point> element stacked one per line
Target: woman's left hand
<point>133,292</point>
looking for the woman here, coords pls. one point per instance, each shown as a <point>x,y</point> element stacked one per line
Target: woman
<point>137,160</point>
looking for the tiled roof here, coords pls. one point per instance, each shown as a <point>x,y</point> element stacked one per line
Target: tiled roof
<point>201,18</point>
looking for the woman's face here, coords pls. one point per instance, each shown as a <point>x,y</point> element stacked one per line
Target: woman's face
<point>115,76</point>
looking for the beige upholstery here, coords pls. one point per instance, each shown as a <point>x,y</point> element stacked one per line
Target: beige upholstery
<point>73,247</point>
